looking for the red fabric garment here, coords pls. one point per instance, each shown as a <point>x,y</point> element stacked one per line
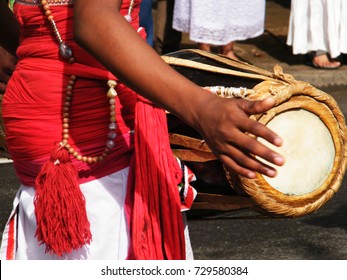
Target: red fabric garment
<point>32,109</point>
<point>33,101</point>
<point>157,229</point>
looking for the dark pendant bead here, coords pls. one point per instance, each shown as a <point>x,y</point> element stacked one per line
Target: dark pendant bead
<point>65,50</point>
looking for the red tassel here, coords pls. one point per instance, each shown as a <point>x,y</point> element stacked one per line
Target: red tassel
<point>156,225</point>
<point>60,208</point>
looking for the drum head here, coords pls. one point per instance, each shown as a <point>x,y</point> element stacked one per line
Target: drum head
<point>308,149</point>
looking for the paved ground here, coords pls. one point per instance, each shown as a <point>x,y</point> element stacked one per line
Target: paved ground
<point>321,235</point>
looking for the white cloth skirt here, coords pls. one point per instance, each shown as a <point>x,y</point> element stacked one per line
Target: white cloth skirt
<point>318,25</point>
<point>219,22</point>
<point>105,199</point>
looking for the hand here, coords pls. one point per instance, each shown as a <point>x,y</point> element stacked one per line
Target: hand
<point>7,65</point>
<point>225,124</point>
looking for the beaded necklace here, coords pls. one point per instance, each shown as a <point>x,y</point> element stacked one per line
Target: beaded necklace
<point>66,52</point>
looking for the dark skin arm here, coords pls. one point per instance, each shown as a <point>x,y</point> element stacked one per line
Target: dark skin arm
<point>9,29</point>
<point>7,65</point>
<point>103,31</point>
<point>9,38</point>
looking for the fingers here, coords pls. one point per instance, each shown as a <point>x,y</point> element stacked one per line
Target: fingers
<point>256,128</point>
<point>246,166</point>
<point>6,72</point>
<point>3,81</point>
<point>247,157</point>
<point>234,167</point>
<point>7,65</point>
<point>2,87</point>
<point>233,137</point>
<point>260,130</point>
<point>250,145</point>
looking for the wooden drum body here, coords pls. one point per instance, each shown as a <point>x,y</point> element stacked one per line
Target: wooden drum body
<point>309,121</point>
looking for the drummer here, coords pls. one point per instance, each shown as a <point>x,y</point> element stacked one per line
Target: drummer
<point>103,32</point>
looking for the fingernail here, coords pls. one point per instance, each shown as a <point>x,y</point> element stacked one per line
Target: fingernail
<point>271,173</point>
<point>278,160</point>
<point>251,175</point>
<point>270,99</point>
<point>278,141</point>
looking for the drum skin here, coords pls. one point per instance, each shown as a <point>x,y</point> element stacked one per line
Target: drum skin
<point>305,186</point>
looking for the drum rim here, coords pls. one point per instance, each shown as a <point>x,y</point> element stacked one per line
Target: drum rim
<point>298,205</point>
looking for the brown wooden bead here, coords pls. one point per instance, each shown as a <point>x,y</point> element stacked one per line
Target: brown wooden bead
<point>66,53</point>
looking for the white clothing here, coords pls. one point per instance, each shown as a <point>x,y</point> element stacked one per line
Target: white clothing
<point>105,210</point>
<point>219,22</point>
<point>105,199</point>
<point>318,25</point>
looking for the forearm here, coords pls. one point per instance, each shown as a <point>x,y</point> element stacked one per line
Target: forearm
<point>223,123</point>
<point>105,33</point>
<point>9,29</point>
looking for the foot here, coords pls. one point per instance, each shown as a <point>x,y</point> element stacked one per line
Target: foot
<point>231,55</point>
<point>228,50</point>
<point>204,47</point>
<point>323,62</point>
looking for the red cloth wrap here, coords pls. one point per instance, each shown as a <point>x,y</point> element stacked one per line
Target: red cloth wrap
<point>156,229</point>
<point>32,112</point>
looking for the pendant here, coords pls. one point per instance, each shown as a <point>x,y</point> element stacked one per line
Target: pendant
<point>128,18</point>
<point>65,50</point>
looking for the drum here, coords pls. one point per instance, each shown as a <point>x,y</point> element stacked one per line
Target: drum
<point>308,119</point>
